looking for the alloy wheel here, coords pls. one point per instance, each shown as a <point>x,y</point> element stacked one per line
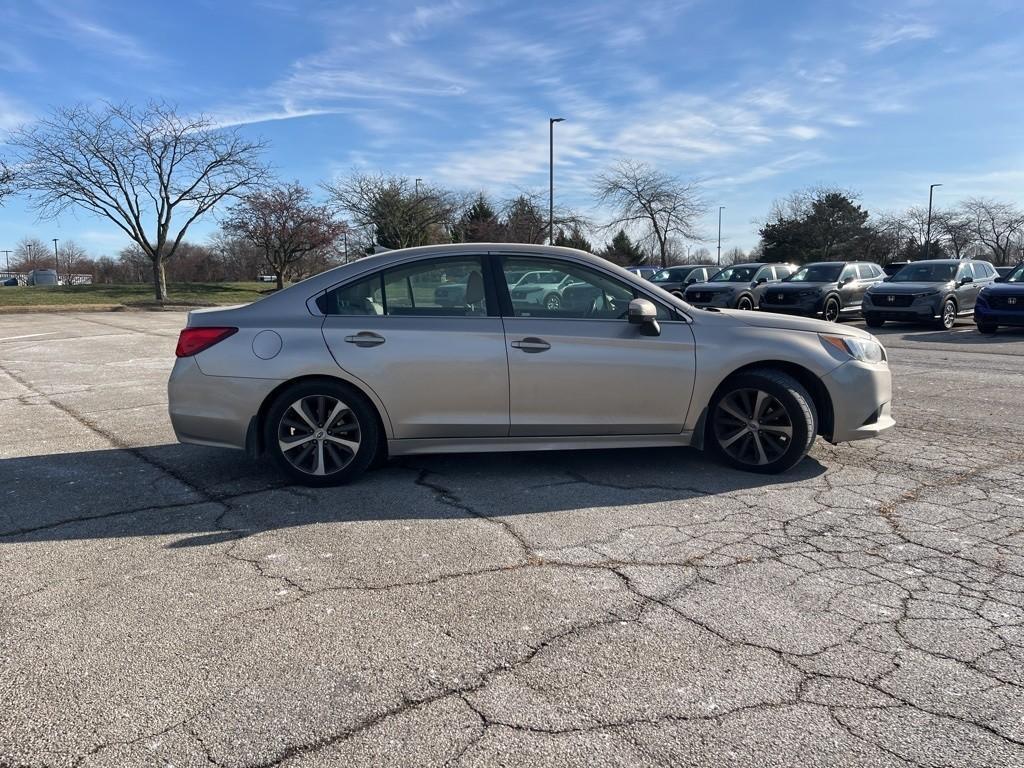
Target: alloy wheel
<point>752,426</point>
<point>948,315</point>
<point>318,435</point>
<point>745,303</point>
<point>552,302</point>
<point>832,310</point>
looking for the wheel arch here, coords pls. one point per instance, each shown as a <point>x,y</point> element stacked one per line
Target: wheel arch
<point>746,295</point>
<point>254,444</point>
<point>822,401</point>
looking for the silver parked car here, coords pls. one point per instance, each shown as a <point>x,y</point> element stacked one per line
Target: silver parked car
<point>362,361</point>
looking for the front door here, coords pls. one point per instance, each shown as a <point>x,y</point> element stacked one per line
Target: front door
<point>427,339</point>
<point>576,365</point>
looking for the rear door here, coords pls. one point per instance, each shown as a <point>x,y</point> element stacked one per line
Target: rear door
<point>581,369</point>
<point>428,340</point>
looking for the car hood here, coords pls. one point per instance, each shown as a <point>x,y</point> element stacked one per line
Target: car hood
<point>794,323</point>
<point>902,289</point>
<point>1004,289</point>
<point>714,286</point>
<point>801,286</point>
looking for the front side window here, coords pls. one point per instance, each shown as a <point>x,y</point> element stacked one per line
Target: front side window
<point>850,273</point>
<point>581,293</point>
<point>764,273</point>
<point>451,287</point>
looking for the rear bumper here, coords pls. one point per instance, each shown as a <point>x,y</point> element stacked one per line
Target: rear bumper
<point>861,395</point>
<point>213,410</point>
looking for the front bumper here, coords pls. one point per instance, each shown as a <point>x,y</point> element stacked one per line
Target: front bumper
<point>918,312</point>
<point>861,396</point>
<point>985,315</point>
<point>810,307</point>
<point>722,300</point>
<point>213,410</point>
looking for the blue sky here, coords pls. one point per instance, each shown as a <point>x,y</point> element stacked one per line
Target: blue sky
<point>754,98</point>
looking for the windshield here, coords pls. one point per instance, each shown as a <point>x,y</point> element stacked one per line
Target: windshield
<point>925,273</point>
<point>1017,276</point>
<point>816,273</point>
<point>667,275</point>
<point>735,275</point>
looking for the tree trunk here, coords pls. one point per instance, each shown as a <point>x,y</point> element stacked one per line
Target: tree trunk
<point>280,279</point>
<point>159,279</point>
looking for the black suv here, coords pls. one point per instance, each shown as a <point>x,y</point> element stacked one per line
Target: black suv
<point>737,287</point>
<point>936,292</point>
<point>675,279</point>
<point>828,289</point>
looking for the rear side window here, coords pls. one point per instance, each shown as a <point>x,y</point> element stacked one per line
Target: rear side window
<point>451,287</point>
<point>867,271</point>
<point>783,270</point>
<point>982,269</point>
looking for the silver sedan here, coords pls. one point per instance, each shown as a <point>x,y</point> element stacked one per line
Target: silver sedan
<point>363,361</point>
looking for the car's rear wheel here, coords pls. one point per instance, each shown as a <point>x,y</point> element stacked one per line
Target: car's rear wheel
<point>947,319</point>
<point>322,433</point>
<point>987,328</point>
<point>761,421</point>
<point>745,303</point>
<point>831,309</point>
<point>873,321</point>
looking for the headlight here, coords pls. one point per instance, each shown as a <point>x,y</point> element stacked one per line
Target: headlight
<point>865,350</point>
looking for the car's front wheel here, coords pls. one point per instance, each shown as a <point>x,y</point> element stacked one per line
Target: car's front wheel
<point>873,321</point>
<point>745,303</point>
<point>321,433</point>
<point>761,421</point>
<point>832,310</point>
<point>947,319</point>
<point>553,302</point>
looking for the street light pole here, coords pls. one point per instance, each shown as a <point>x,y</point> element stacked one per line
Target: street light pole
<point>928,230</point>
<point>551,177</point>
<point>56,261</point>
<point>8,255</point>
<point>416,184</point>
<point>720,209</point>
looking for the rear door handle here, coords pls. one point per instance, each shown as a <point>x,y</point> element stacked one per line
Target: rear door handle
<point>531,344</point>
<point>365,339</point>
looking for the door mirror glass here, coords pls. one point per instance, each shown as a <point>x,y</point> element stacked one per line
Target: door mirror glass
<point>643,313</point>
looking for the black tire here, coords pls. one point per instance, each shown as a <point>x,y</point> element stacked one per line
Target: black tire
<point>831,310</point>
<point>947,318</point>
<point>873,321</point>
<point>765,450</point>
<point>552,302</point>
<point>677,294</point>
<point>355,423</point>
<point>745,303</point>
<point>987,329</point>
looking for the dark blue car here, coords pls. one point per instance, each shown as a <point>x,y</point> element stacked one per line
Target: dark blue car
<point>1001,303</point>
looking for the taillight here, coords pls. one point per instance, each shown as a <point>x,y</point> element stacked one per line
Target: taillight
<point>195,340</point>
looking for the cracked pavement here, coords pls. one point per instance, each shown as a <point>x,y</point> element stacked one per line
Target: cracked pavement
<point>177,605</point>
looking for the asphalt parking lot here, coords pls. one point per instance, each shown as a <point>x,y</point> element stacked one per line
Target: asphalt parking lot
<point>174,605</point>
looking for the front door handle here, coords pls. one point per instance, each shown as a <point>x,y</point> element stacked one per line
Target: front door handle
<point>365,339</point>
<point>531,344</point>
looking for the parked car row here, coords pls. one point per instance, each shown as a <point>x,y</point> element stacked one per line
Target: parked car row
<point>935,292</point>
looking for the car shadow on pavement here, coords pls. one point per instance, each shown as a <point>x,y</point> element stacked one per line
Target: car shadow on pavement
<point>209,495</point>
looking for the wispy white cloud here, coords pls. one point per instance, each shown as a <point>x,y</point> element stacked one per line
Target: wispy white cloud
<point>893,32</point>
<point>91,34</point>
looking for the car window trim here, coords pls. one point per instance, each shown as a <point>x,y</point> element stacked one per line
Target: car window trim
<point>505,298</point>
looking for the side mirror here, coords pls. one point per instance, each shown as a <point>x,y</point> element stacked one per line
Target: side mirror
<point>999,280</point>
<point>761,281</point>
<point>691,280</point>
<point>643,313</point>
<point>966,280</point>
<point>886,279</point>
<point>845,281</point>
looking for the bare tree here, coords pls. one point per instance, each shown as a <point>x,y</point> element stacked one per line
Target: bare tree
<point>996,226</point>
<point>137,167</point>
<point>73,260</point>
<point>285,225</point>
<point>660,206</point>
<point>397,211</point>
<point>6,180</point>
<point>958,230</point>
